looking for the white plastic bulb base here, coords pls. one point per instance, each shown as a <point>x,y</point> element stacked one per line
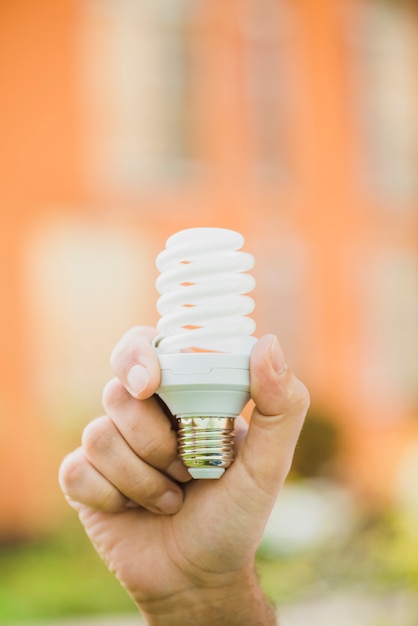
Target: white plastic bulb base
<point>206,392</point>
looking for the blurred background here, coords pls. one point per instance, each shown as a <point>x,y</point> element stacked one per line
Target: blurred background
<point>293,122</point>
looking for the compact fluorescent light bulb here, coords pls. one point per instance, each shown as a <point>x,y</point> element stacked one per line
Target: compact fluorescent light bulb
<point>204,342</point>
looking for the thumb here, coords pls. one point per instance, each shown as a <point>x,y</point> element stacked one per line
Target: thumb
<point>281,402</point>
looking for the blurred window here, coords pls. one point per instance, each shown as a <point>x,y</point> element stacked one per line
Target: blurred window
<point>83,288</point>
<point>282,254</point>
<point>383,41</point>
<point>390,307</point>
<point>136,61</point>
<point>267,26</point>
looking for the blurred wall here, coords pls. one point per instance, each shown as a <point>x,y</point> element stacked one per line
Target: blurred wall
<point>124,120</point>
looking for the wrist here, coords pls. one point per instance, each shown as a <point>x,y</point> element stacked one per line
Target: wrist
<point>239,602</point>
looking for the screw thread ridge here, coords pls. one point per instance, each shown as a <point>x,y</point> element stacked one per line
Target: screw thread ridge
<point>206,441</point>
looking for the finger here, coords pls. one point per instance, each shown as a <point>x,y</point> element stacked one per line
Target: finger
<point>281,403</point>
<point>146,428</point>
<point>241,429</point>
<point>112,457</point>
<point>82,483</point>
<point>135,362</point>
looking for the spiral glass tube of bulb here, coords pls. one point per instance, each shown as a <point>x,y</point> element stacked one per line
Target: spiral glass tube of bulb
<point>204,342</point>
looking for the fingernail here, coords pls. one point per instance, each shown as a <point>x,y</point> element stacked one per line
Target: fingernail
<point>138,378</point>
<point>277,357</point>
<point>169,502</point>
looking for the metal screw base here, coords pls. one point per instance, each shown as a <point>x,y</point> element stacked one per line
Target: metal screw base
<point>206,444</point>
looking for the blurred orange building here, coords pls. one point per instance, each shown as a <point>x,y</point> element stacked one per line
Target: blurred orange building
<point>122,121</point>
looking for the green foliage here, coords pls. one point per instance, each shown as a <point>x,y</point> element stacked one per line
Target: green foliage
<point>381,557</point>
<point>54,577</point>
<point>390,548</point>
<point>62,576</point>
<point>318,447</point>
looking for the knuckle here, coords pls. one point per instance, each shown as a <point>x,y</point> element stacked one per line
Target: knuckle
<point>124,351</point>
<point>70,471</point>
<point>113,393</point>
<point>98,435</point>
<point>298,398</point>
<point>116,355</point>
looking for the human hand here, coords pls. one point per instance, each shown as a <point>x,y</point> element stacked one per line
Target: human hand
<point>184,549</point>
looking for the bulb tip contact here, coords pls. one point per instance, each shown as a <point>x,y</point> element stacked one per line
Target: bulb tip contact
<point>206,472</point>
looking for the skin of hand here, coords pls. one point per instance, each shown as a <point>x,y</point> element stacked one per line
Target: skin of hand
<point>184,549</point>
